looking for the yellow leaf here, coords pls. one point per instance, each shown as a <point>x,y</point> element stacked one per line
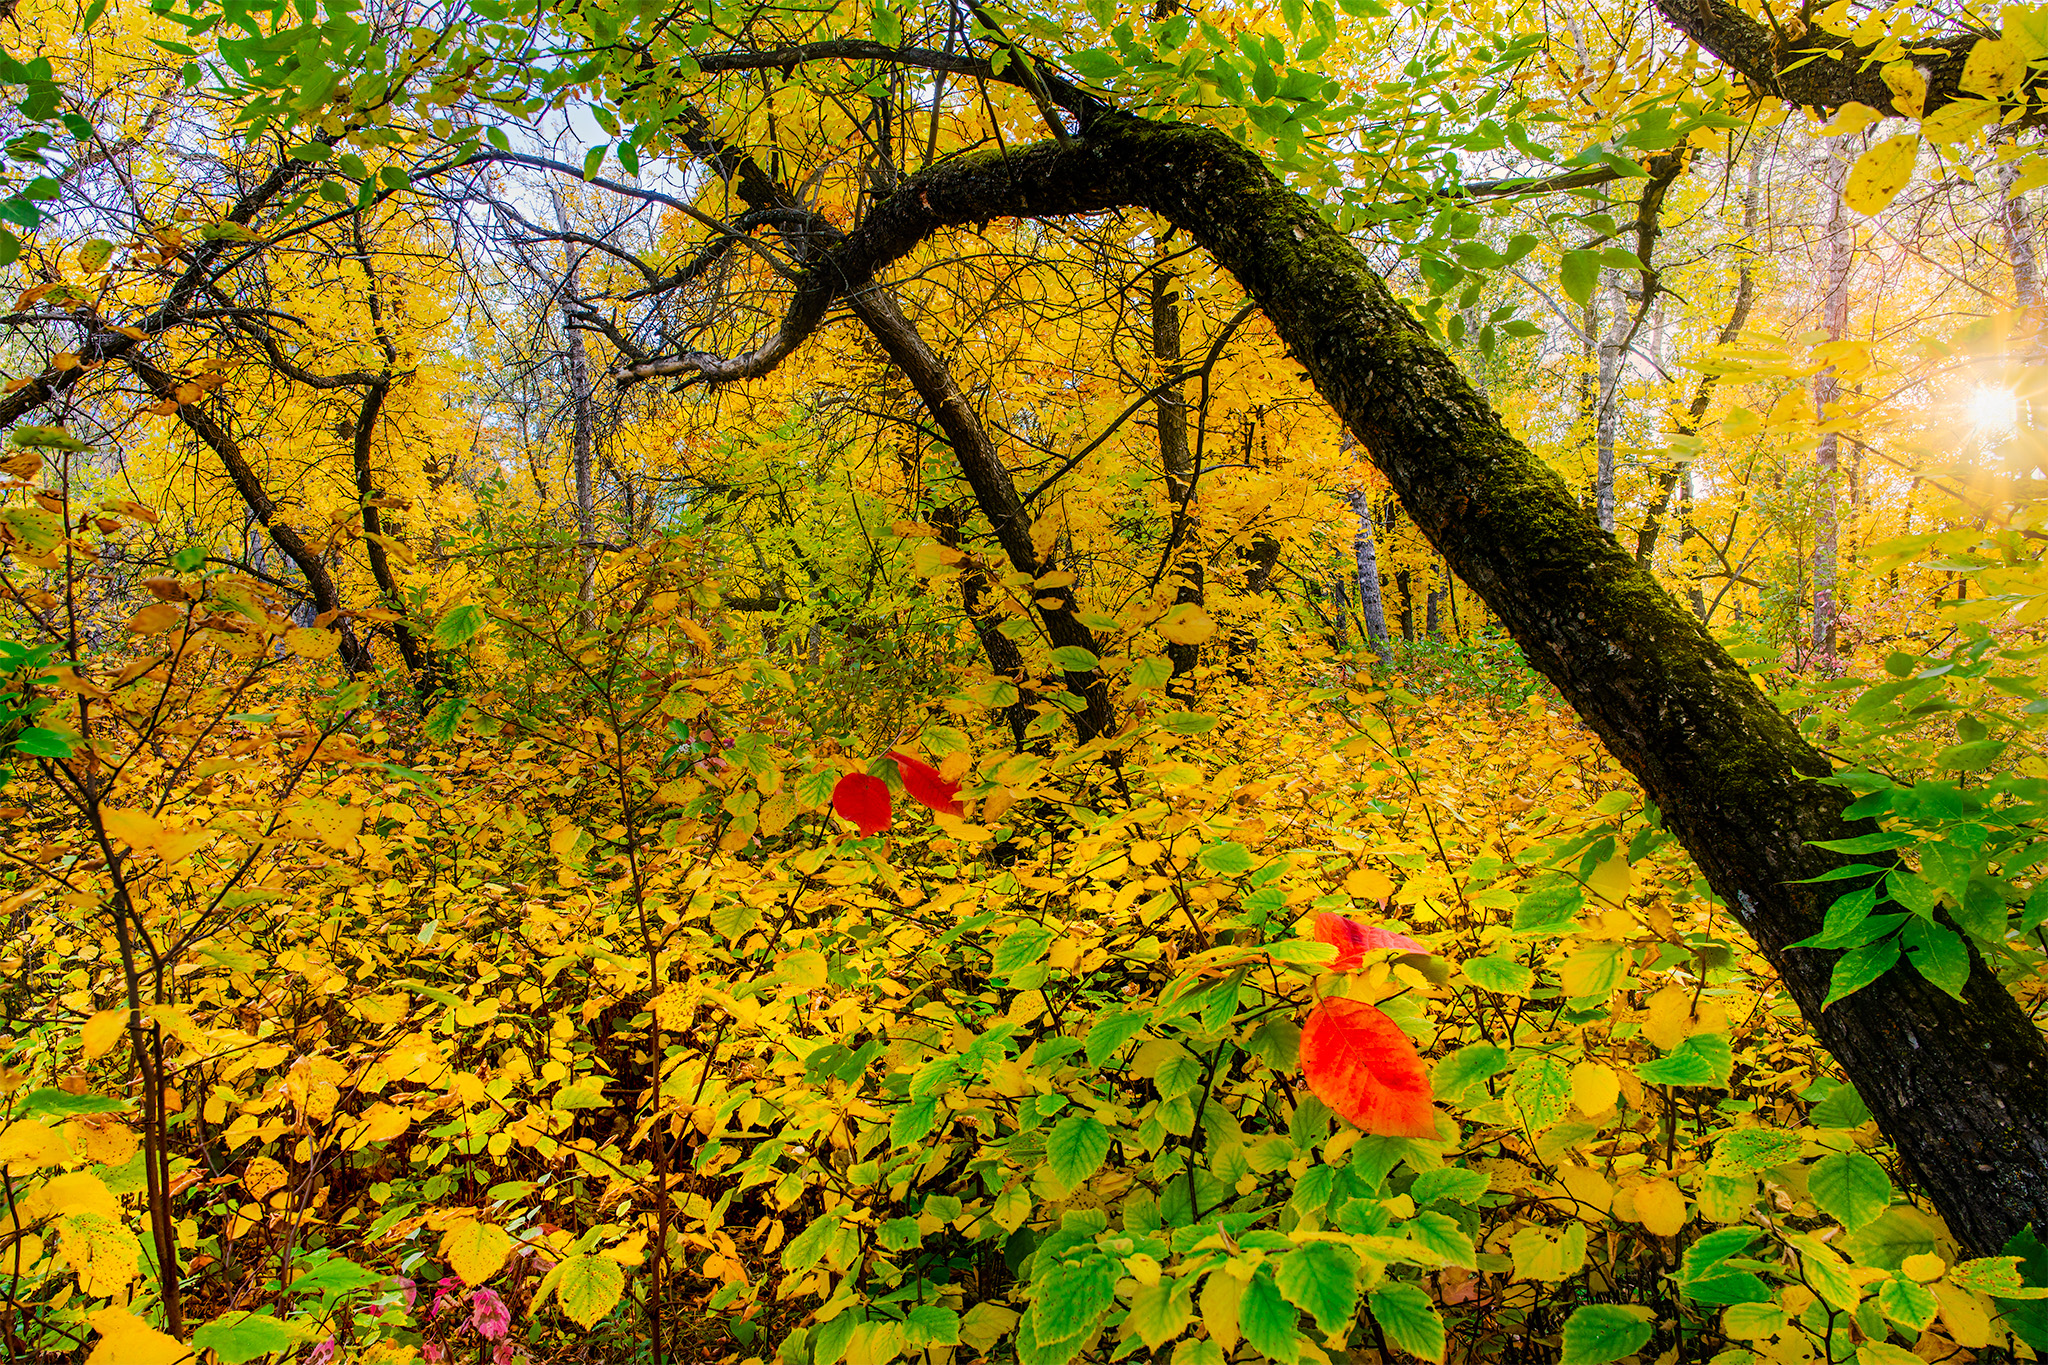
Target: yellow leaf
<point>308,643</point>
<point>156,618</point>
<point>127,1340</point>
<point>1587,1187</point>
<point>1592,972</point>
<point>1539,1256</point>
<point>102,1138</point>
<point>1924,1267</point>
<point>1594,1088</point>
<point>1850,118</point>
<point>1958,121</point>
<point>66,1195</point>
<point>263,1177</point>
<point>563,842</point>
<point>1660,1207</point>
<point>1667,1019</point>
<point>1221,1293</point>
<point>1612,880</point>
<point>1880,173</point>
<point>103,1253</point>
<point>475,1250</point>
<point>1908,84</point>
<point>804,969</point>
<point>588,1287</point>
<point>2026,28</point>
<point>1994,68</point>
<point>1186,624</point>
<point>1964,1316</point>
<point>105,1028</point>
<point>330,822</point>
<point>1368,884</point>
<point>29,1146</point>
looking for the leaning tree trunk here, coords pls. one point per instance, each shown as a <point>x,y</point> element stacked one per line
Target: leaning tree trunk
<point>1961,1087</point>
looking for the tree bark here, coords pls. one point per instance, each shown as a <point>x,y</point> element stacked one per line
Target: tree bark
<point>1170,411</point>
<point>582,419</point>
<point>319,582</point>
<point>1365,552</point>
<point>1961,1087</point>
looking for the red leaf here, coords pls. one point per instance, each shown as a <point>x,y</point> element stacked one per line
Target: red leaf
<point>922,781</point>
<point>1354,940</point>
<point>1360,1064</point>
<point>862,800</point>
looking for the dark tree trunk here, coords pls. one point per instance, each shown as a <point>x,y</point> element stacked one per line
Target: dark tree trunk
<point>1961,1087</point>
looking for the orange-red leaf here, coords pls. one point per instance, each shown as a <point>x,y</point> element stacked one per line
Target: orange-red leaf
<point>922,781</point>
<point>1359,1063</point>
<point>863,801</point>
<point>1353,940</point>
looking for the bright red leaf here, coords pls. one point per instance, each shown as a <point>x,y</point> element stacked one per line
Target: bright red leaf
<point>1359,1063</point>
<point>863,800</point>
<point>1354,940</point>
<point>922,781</point>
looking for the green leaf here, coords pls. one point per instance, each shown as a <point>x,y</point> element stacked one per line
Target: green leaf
<point>1074,659</point>
<point>1225,859</point>
<point>1747,1150</point>
<point>1539,1092</point>
<point>1455,1183</point>
<point>1911,1305</point>
<point>1501,975</point>
<point>1939,954</point>
<point>588,1287</point>
<point>441,722</point>
<point>1069,1297</point>
<point>1409,1319</point>
<point>336,1276</point>
<point>1859,967</point>
<point>1577,275</point>
<point>1464,1069</point>
<point>1020,948</point>
<point>1596,1333</point>
<point>593,160</point>
<point>1321,1279</point>
<point>1441,1236</point>
<point>1075,1148</point>
<point>1269,1322</point>
<point>1703,1059</point>
<point>1109,1034</point>
<point>52,1103</point>
<point>914,1122</point>
<point>243,1336</point>
<point>459,626</point>
<point>37,742</point>
<point>1850,1188</point>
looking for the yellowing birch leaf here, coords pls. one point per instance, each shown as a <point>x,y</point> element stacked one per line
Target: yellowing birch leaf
<point>102,1252</point>
<point>1594,1088</point>
<point>1880,173</point>
<point>102,1031</point>
<point>29,1146</point>
<point>125,1339</point>
<point>475,1250</point>
<point>64,1195</point>
<point>1660,1207</point>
